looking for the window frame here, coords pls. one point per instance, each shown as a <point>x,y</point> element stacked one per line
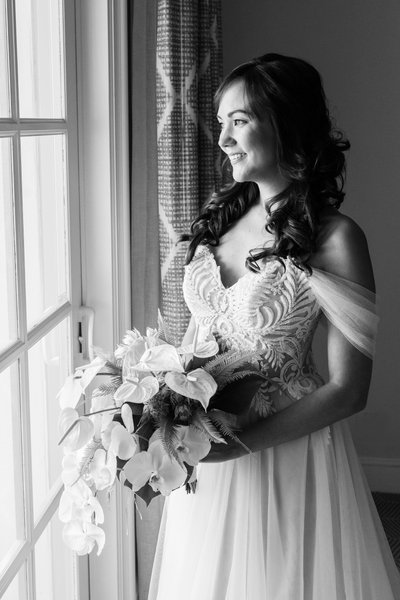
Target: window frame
<point>17,352</point>
<point>96,74</point>
<point>102,60</point>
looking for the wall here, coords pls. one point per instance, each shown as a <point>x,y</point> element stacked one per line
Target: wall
<point>356,47</point>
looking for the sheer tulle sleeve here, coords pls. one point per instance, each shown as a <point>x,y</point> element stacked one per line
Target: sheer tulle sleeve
<point>349,306</point>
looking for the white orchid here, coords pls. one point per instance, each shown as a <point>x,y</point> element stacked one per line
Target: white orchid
<point>191,444</point>
<point>77,503</point>
<point>198,385</point>
<point>155,467</point>
<point>81,512</point>
<point>82,536</point>
<point>119,441</point>
<point>70,469</point>
<point>103,469</point>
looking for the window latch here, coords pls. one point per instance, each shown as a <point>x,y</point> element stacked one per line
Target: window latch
<point>84,336</point>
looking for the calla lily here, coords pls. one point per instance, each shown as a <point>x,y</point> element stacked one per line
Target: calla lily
<point>91,370</point>
<point>192,445</point>
<point>160,358</point>
<point>127,418</point>
<point>75,431</point>
<point>198,385</point>
<point>82,537</point>
<point>122,443</point>
<point>102,419</point>
<point>78,503</point>
<point>71,391</point>
<point>106,434</point>
<point>103,469</point>
<point>137,390</point>
<point>204,349</point>
<point>157,468</point>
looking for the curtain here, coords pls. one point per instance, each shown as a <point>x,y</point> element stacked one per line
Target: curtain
<point>189,68</point>
<point>145,257</point>
<point>176,64</point>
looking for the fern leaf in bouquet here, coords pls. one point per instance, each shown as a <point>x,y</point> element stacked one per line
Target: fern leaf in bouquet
<point>203,422</point>
<point>227,424</point>
<point>223,366</point>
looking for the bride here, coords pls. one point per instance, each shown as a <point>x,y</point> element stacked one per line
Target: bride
<point>270,257</point>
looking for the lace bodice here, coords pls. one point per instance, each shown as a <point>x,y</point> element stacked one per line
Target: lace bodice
<point>274,314</point>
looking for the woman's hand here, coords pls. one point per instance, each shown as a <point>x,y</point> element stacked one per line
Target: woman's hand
<point>223,452</point>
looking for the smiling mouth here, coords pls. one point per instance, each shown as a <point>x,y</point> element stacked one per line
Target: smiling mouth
<point>234,158</point>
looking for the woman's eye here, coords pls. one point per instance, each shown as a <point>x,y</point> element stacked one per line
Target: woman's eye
<point>239,122</point>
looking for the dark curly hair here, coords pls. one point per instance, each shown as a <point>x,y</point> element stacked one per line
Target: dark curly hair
<point>310,156</point>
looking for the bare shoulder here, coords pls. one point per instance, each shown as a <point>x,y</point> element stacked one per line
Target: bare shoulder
<point>342,249</point>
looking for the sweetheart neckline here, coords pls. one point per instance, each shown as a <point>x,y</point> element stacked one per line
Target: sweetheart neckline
<point>218,269</point>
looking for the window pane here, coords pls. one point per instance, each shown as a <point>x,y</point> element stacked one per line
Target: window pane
<point>17,590</point>
<point>49,362</point>
<point>5,106</point>
<point>8,315</point>
<point>54,565</point>
<point>45,223</point>
<point>11,513</point>
<point>40,53</point>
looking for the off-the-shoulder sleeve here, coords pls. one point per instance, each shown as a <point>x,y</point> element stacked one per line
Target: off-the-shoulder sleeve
<point>349,306</point>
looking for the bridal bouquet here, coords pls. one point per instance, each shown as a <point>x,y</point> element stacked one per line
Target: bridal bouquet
<point>149,425</point>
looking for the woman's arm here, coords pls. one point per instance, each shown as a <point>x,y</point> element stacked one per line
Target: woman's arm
<point>345,253</point>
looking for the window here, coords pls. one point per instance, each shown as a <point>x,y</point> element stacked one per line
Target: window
<point>40,288</point>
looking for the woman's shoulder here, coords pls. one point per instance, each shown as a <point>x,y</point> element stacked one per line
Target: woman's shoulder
<point>342,248</point>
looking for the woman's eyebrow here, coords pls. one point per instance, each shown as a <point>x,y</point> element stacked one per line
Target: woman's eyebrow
<point>237,110</point>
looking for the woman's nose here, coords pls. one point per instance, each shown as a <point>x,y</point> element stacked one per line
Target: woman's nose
<point>225,138</point>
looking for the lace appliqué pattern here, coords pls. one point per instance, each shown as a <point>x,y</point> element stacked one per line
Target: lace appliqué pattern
<point>272,313</point>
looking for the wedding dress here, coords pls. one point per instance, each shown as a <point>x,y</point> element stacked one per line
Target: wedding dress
<point>292,522</point>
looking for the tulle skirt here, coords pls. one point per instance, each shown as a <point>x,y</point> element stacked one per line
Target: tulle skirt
<point>293,522</point>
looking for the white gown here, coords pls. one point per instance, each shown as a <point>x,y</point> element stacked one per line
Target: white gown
<point>292,522</point>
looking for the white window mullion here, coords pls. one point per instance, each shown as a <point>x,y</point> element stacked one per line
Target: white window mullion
<point>24,433</point>
<point>19,240</point>
<point>12,36</point>
<point>27,471</point>
<point>23,469</point>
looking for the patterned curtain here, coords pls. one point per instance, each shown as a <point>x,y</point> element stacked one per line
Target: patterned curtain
<point>189,69</point>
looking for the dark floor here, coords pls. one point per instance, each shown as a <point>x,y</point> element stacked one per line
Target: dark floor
<point>388,506</point>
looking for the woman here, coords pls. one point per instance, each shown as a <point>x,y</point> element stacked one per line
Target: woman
<point>271,253</point>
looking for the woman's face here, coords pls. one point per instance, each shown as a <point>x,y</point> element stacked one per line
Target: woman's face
<point>249,142</point>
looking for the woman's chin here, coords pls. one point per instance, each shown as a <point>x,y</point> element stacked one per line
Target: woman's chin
<point>239,176</point>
